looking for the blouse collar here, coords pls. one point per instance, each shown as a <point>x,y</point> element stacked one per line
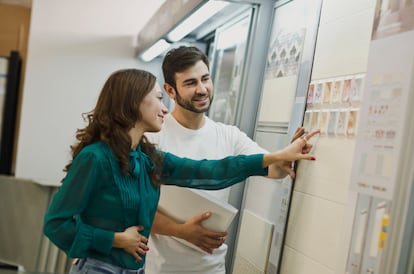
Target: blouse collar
<point>137,160</point>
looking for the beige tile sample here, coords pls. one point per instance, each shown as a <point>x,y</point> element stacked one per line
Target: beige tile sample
<point>273,109</point>
<point>253,244</point>
<point>315,228</point>
<point>296,263</point>
<point>343,38</point>
<point>327,177</point>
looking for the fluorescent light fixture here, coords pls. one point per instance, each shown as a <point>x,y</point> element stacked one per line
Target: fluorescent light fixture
<point>196,19</point>
<point>159,47</point>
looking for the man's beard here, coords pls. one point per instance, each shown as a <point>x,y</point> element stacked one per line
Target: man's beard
<point>188,105</point>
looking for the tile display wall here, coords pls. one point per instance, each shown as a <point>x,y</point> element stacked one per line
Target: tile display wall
<point>332,105</point>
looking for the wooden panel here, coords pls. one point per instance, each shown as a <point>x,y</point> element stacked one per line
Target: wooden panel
<point>14,29</point>
<point>14,35</point>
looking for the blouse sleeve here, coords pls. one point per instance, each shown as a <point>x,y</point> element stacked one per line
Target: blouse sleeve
<point>63,223</point>
<point>211,174</point>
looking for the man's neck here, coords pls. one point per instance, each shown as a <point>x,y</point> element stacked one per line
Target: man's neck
<point>188,119</point>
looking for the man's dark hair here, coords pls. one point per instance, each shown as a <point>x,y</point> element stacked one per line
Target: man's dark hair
<point>180,59</point>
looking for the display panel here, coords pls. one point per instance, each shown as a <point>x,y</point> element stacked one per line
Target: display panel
<point>227,68</point>
<point>379,171</point>
<point>322,207</point>
<point>289,54</point>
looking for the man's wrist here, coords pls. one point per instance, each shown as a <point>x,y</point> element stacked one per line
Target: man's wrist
<point>177,231</point>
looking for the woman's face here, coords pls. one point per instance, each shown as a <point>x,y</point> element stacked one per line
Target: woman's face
<point>153,110</point>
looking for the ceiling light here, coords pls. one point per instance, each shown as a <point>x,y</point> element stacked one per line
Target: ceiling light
<point>159,47</point>
<point>196,19</point>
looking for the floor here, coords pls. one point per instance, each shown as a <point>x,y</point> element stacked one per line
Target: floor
<point>4,269</point>
<point>15,271</point>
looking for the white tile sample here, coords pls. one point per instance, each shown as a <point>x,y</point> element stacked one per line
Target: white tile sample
<point>272,108</point>
<point>296,263</point>
<point>254,240</point>
<point>327,177</point>
<point>315,228</point>
<point>343,44</point>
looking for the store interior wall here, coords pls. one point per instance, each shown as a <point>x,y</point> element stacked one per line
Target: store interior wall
<point>73,48</point>
<point>294,28</point>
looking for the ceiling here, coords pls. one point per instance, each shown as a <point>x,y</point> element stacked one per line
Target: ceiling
<point>122,20</point>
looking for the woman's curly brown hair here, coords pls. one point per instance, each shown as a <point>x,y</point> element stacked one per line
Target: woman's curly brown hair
<point>116,112</point>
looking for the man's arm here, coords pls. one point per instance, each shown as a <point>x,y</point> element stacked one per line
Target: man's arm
<point>191,231</point>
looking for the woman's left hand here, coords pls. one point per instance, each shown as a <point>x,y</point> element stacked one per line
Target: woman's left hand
<point>132,241</point>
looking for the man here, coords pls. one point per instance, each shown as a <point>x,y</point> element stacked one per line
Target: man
<point>187,132</point>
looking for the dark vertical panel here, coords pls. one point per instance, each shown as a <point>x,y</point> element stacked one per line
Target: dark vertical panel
<point>9,113</point>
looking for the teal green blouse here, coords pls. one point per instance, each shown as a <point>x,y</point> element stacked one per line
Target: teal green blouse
<point>96,199</point>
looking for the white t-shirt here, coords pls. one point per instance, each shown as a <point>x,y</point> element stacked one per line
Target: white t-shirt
<point>212,141</point>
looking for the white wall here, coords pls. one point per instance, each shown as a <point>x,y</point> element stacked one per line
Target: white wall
<point>73,47</point>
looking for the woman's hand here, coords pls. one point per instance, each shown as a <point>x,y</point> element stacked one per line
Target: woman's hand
<point>282,169</point>
<point>298,150</point>
<point>132,242</point>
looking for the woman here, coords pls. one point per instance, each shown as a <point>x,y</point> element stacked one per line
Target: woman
<point>104,210</point>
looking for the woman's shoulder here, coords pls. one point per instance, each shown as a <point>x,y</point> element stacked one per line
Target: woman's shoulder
<point>98,150</point>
